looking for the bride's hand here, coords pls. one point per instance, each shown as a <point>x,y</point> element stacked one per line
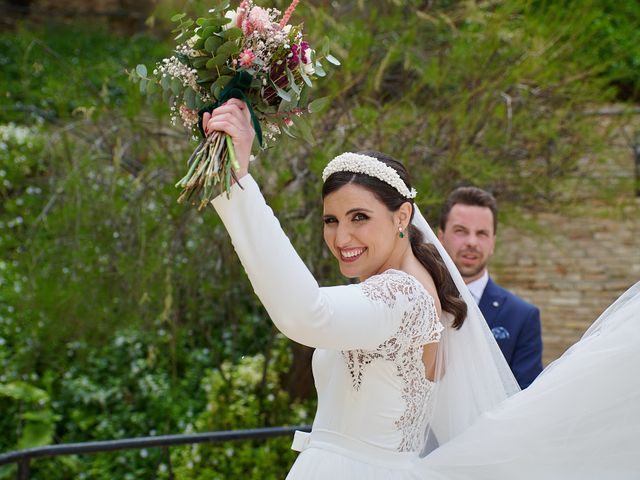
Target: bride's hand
<point>234,119</point>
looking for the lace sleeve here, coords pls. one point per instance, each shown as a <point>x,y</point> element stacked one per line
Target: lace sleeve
<point>419,324</point>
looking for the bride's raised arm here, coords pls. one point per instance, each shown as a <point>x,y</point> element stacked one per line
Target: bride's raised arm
<point>341,317</point>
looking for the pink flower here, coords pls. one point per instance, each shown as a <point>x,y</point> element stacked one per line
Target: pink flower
<point>299,52</point>
<point>294,57</point>
<point>241,13</point>
<point>246,58</point>
<point>258,19</point>
<point>288,13</point>
<point>304,48</point>
<point>188,115</point>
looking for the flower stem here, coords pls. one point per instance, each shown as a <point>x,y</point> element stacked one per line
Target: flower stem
<point>232,153</point>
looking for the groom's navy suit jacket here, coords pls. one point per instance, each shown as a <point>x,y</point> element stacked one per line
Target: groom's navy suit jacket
<point>515,324</point>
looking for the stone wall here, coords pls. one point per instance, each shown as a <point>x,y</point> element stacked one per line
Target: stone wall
<point>572,269</point>
<point>573,265</point>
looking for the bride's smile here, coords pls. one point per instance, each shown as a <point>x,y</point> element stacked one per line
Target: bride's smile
<point>351,254</point>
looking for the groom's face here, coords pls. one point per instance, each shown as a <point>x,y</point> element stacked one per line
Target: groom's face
<point>469,238</point>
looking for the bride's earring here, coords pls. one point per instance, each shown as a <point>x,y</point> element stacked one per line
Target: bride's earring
<point>401,235</point>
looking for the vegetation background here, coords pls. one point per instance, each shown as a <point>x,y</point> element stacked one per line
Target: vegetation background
<point>125,314</point>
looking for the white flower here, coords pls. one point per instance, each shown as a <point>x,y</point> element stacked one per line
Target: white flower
<point>233,16</point>
<point>309,69</point>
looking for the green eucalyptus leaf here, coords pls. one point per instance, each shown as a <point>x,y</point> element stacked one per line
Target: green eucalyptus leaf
<point>141,70</point>
<point>331,59</point>
<point>189,98</point>
<point>285,106</point>
<point>326,47</point>
<point>178,16</point>
<point>232,33</point>
<point>282,93</point>
<point>222,81</point>
<point>228,49</point>
<point>199,62</point>
<point>208,32</point>
<point>176,85</point>
<point>165,82</point>
<point>207,75</point>
<point>303,127</point>
<point>199,45</point>
<point>216,22</point>
<point>152,87</point>
<point>320,70</point>
<point>213,43</point>
<point>292,82</point>
<point>184,59</point>
<point>217,61</point>
<point>210,22</point>
<point>304,96</point>
<point>319,105</point>
<point>304,75</point>
<point>143,85</point>
<point>284,128</point>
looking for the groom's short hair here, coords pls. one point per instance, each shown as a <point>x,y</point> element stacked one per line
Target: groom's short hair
<point>473,196</point>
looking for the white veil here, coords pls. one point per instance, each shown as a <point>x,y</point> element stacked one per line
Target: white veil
<point>580,419</point>
<point>472,374</point>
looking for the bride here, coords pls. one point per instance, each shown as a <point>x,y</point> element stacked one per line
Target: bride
<point>410,382</point>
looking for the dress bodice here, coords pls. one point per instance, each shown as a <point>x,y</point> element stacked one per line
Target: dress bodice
<point>381,396</point>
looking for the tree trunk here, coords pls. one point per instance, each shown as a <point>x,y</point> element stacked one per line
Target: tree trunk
<point>298,381</point>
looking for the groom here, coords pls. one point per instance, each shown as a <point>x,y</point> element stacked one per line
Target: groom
<point>467,229</point>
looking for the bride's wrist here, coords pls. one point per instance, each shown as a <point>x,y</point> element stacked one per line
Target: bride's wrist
<point>241,172</point>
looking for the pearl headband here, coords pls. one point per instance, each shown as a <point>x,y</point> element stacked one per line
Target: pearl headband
<point>358,163</point>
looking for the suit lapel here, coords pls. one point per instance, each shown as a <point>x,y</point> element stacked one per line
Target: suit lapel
<point>491,302</point>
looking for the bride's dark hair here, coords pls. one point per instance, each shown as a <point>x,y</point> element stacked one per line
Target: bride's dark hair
<point>426,253</point>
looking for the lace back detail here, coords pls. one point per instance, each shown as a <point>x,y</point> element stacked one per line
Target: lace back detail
<point>418,326</point>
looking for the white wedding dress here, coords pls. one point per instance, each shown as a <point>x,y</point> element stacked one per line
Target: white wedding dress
<point>373,395</point>
<point>374,401</point>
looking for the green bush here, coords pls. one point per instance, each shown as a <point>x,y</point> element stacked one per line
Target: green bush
<point>58,71</point>
<point>246,394</point>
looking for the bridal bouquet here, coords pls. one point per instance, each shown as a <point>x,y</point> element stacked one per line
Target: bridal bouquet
<point>251,53</point>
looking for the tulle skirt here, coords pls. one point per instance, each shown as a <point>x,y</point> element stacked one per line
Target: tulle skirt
<point>332,456</point>
<point>580,419</point>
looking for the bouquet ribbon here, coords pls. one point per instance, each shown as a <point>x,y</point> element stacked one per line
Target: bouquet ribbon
<point>236,88</point>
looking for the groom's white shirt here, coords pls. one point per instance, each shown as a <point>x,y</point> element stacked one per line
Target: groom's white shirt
<point>477,286</point>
